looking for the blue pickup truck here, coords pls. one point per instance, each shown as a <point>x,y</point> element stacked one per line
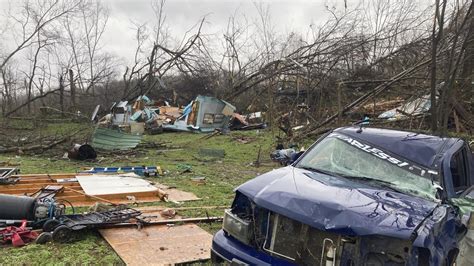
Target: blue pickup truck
<point>357,196</point>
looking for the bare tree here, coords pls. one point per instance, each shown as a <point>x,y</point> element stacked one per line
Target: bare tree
<point>84,31</point>
<point>33,18</point>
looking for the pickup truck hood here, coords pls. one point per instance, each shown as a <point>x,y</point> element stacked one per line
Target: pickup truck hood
<point>336,204</point>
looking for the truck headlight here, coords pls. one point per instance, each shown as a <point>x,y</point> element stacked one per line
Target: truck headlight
<point>236,227</point>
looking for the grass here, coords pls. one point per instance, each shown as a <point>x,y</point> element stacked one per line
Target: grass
<point>222,176</point>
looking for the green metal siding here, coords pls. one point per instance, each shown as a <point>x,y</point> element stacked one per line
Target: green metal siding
<point>110,139</point>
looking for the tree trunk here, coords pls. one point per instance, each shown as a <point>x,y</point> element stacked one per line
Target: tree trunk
<point>467,74</point>
<point>61,94</point>
<point>28,95</point>
<point>73,89</point>
<point>434,49</point>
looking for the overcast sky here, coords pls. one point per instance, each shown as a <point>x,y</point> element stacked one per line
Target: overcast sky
<point>181,15</point>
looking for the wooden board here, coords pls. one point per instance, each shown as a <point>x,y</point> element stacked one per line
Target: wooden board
<point>159,245</point>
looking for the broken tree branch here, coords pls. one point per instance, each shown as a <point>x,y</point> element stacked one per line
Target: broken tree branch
<point>377,90</point>
<point>30,101</point>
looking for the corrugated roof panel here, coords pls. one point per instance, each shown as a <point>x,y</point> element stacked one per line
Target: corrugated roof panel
<point>110,139</point>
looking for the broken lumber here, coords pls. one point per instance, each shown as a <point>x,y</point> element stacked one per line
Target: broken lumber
<point>173,221</point>
<point>154,209</point>
<point>90,196</point>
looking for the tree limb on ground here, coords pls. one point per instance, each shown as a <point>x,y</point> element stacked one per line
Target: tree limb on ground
<point>42,147</point>
<point>30,101</point>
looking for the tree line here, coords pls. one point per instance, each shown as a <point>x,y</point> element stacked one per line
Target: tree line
<point>371,52</point>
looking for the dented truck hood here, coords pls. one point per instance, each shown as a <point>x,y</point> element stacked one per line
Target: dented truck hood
<point>337,205</point>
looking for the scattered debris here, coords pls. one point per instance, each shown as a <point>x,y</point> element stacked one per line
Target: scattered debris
<point>146,171</point>
<point>18,236</point>
<point>168,213</point>
<point>63,227</point>
<point>200,180</point>
<point>176,195</point>
<point>204,114</point>
<point>184,168</point>
<point>82,152</point>
<point>73,192</point>
<point>5,175</point>
<point>244,139</point>
<point>285,156</point>
<point>247,122</point>
<point>143,115</point>
<point>416,107</point>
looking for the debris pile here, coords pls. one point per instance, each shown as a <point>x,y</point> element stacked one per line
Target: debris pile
<point>41,216</point>
<point>203,114</point>
<point>247,122</point>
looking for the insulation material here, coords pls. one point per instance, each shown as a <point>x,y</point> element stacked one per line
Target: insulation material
<point>159,245</point>
<point>176,194</point>
<point>415,107</point>
<point>114,184</point>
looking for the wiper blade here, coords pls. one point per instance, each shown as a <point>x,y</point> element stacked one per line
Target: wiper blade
<point>381,183</point>
<point>317,170</point>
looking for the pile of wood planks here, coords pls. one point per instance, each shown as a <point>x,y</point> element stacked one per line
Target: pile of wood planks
<point>73,192</point>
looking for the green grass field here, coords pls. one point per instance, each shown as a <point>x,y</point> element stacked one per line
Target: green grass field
<point>222,176</point>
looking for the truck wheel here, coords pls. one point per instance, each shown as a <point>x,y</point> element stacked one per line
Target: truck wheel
<point>43,238</point>
<point>62,234</point>
<point>50,225</point>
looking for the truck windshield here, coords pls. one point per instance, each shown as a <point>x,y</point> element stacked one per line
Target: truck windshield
<point>342,156</point>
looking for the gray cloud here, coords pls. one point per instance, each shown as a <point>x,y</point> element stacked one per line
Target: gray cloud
<point>181,15</point>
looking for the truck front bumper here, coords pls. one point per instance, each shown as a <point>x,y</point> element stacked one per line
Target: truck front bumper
<point>225,248</point>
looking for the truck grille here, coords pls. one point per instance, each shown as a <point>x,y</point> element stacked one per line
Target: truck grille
<point>297,242</point>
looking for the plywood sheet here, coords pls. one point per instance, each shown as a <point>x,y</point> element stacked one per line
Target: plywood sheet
<point>159,245</point>
<point>114,184</point>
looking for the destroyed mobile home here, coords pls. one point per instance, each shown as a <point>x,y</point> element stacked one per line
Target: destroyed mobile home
<point>203,114</point>
<point>358,196</point>
<point>124,126</point>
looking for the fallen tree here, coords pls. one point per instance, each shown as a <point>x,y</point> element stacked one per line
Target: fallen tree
<point>362,99</point>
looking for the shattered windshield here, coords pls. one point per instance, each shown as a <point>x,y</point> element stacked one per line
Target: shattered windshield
<point>342,156</point>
